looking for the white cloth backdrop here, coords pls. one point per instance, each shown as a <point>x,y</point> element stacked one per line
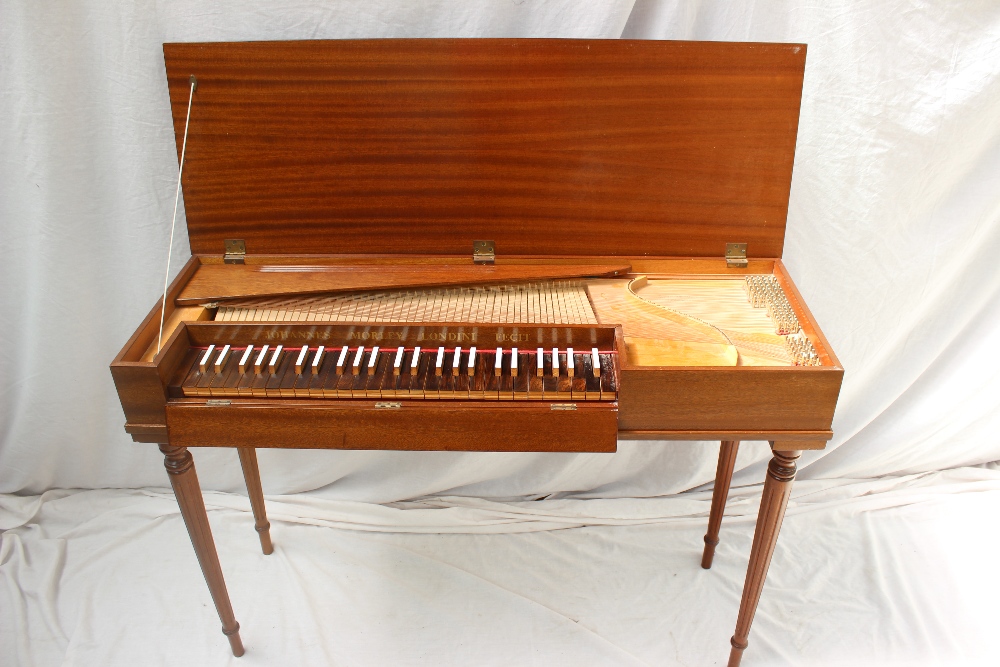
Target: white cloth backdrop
<point>893,238</point>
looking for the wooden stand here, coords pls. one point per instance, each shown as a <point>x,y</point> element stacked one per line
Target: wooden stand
<point>184,480</point>
<point>723,476</point>
<point>777,488</point>
<point>248,459</point>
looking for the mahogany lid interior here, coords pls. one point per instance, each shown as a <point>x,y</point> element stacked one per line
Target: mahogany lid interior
<point>545,146</point>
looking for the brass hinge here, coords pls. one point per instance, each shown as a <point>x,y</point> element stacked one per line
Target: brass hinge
<point>563,406</point>
<point>736,255</point>
<point>388,405</point>
<point>483,252</point>
<point>236,251</point>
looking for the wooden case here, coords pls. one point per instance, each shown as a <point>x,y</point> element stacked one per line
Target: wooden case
<point>606,152</point>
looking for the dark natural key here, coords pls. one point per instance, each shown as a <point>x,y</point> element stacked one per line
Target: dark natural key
<point>300,361</point>
<point>245,359</point>
<point>206,358</point>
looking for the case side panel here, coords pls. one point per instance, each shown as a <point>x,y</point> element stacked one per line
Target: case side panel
<point>729,399</point>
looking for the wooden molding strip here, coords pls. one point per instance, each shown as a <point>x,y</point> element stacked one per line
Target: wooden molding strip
<point>218,282</point>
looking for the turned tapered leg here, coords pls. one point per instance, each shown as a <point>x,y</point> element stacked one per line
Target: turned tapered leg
<point>184,480</point>
<point>251,473</point>
<point>723,476</point>
<point>777,487</point>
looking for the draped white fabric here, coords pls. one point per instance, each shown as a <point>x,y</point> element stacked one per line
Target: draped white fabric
<point>892,232</point>
<point>867,572</point>
<point>893,239</point>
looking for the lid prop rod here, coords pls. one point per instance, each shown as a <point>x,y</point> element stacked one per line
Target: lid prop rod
<point>173,221</point>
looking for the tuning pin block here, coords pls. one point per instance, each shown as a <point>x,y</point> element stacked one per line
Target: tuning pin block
<point>765,292</point>
<point>801,350</point>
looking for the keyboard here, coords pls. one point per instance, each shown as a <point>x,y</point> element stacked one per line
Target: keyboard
<point>420,373</point>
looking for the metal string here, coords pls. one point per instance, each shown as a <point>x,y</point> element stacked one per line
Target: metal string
<point>173,221</point>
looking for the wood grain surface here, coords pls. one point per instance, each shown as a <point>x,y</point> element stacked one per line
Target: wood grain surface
<point>728,400</point>
<point>140,379</point>
<point>184,480</point>
<point>417,426</point>
<point>558,147</point>
<point>251,474</point>
<point>773,501</point>
<point>723,478</point>
<point>215,282</point>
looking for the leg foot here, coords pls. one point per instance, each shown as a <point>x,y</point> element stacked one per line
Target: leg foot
<point>251,473</point>
<point>735,653</point>
<point>723,476</point>
<point>184,480</point>
<point>235,643</point>
<point>777,488</point>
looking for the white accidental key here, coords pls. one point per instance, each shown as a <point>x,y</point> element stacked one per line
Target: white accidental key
<point>300,361</point>
<point>356,366</point>
<point>498,365</point>
<point>439,363</point>
<point>555,362</point>
<point>456,360</point>
<point>206,358</point>
<point>540,358</point>
<point>245,359</point>
<point>513,362</point>
<point>570,363</point>
<point>470,369</point>
<point>259,362</point>
<point>342,359</point>
<point>372,360</point>
<point>272,366</point>
<point>415,361</point>
<point>318,359</point>
<point>595,361</point>
<point>398,362</point>
<point>220,360</point>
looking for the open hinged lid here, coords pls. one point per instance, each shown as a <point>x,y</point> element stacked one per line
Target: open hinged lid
<point>545,146</point>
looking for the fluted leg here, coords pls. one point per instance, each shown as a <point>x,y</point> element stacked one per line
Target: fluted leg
<point>184,480</point>
<point>251,473</point>
<point>777,487</point>
<point>723,476</point>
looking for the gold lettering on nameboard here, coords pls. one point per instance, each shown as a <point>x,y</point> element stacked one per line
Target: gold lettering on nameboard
<point>297,335</point>
<point>376,335</point>
<point>401,336</point>
<point>514,337</point>
<point>453,337</point>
